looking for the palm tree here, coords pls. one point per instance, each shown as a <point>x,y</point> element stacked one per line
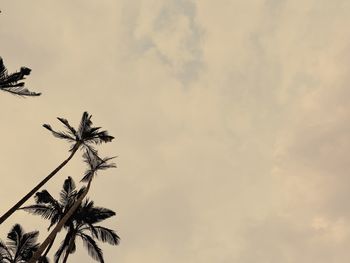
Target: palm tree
<point>11,82</point>
<point>95,164</point>
<point>83,220</point>
<point>50,208</point>
<point>84,136</point>
<point>20,246</point>
<point>84,226</point>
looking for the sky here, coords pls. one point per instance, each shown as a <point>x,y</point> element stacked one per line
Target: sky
<point>230,117</point>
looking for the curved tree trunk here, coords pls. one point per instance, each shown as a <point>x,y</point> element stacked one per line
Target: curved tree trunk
<point>59,226</point>
<point>36,188</point>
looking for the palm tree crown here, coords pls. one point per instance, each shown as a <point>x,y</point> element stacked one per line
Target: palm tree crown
<point>85,135</point>
<point>19,247</point>
<point>81,224</point>
<point>95,164</point>
<point>11,82</point>
<point>50,208</point>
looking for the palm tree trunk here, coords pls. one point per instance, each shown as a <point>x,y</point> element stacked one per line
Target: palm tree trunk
<point>49,247</point>
<point>59,226</point>
<point>36,188</point>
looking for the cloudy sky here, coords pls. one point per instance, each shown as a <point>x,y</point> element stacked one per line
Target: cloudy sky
<point>230,117</point>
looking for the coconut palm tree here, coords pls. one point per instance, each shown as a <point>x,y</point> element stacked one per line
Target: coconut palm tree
<point>20,246</point>
<point>50,208</point>
<point>84,226</point>
<point>95,164</point>
<point>83,220</point>
<point>85,136</point>
<point>12,82</point>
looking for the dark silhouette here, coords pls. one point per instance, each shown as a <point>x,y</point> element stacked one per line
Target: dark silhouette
<point>82,222</point>
<point>86,218</point>
<point>84,136</point>
<point>49,208</point>
<point>19,247</point>
<point>12,82</point>
<point>95,164</point>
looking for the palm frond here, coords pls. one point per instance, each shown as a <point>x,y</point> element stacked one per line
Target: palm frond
<point>44,197</point>
<point>91,134</point>
<point>59,134</point>
<point>93,249</point>
<point>11,82</point>
<point>90,214</point>
<point>105,234</point>
<point>28,245</point>
<point>95,163</point>
<point>70,128</point>
<point>63,246</point>
<point>14,236</point>
<point>4,252</point>
<point>13,78</point>
<point>20,245</point>
<point>45,211</point>
<point>85,125</point>
<point>68,194</point>
<point>97,137</point>
<point>3,71</point>
<point>19,90</point>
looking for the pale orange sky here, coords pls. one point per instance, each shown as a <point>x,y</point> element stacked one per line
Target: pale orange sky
<point>230,118</point>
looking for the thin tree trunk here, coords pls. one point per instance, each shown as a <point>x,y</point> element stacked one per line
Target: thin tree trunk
<point>49,247</point>
<point>60,224</point>
<point>36,188</point>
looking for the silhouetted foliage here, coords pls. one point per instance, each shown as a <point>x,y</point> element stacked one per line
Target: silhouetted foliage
<point>95,163</point>
<point>85,136</point>
<point>19,247</point>
<point>81,224</point>
<point>12,82</point>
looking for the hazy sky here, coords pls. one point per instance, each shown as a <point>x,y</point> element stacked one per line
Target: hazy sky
<point>230,117</point>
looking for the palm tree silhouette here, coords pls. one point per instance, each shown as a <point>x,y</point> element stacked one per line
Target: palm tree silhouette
<point>49,208</point>
<point>95,163</point>
<point>83,220</point>
<point>19,247</point>
<point>11,82</point>
<point>85,136</point>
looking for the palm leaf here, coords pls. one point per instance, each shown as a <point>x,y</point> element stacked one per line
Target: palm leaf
<point>4,252</point>
<point>45,211</point>
<point>95,163</point>
<point>11,82</point>
<point>104,234</point>
<point>70,129</point>
<point>63,246</point>
<point>58,134</point>
<point>3,71</point>
<point>68,193</point>
<point>14,237</point>
<point>93,249</point>
<point>92,215</point>
<point>28,245</point>
<point>85,125</point>
<point>19,90</point>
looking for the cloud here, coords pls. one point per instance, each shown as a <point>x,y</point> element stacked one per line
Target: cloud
<point>247,163</point>
<point>169,32</point>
